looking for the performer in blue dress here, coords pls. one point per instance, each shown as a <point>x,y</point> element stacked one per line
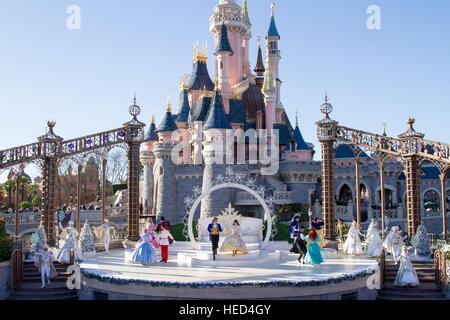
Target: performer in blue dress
<point>144,252</point>
<point>295,227</point>
<point>313,256</point>
<point>214,229</point>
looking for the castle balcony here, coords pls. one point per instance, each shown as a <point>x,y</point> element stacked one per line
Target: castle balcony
<point>280,198</point>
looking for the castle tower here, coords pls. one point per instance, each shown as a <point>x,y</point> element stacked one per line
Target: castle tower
<point>214,155</point>
<point>148,160</point>
<point>269,91</point>
<point>259,69</point>
<point>164,169</point>
<point>223,53</point>
<point>200,80</point>
<point>273,37</point>
<point>298,150</point>
<point>238,25</point>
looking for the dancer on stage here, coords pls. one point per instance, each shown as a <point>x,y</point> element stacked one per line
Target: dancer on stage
<point>162,223</point>
<point>214,229</point>
<point>374,243</point>
<point>341,230</point>
<point>352,245</point>
<point>317,225</point>
<point>164,237</point>
<point>295,227</point>
<point>300,245</point>
<point>103,232</point>
<point>144,252</point>
<point>149,225</point>
<point>393,243</point>
<point>234,242</point>
<point>69,237</point>
<point>44,262</point>
<point>314,255</point>
<point>406,275</point>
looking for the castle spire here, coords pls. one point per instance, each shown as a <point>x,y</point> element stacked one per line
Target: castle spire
<point>153,116</point>
<point>273,31</point>
<point>245,10</point>
<point>169,105</point>
<point>223,43</point>
<point>268,86</point>
<point>259,69</point>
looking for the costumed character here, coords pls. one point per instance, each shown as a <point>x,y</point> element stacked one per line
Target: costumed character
<point>406,275</point>
<point>352,245</point>
<point>103,232</point>
<point>295,227</point>
<point>145,252</point>
<point>317,225</point>
<point>44,262</point>
<point>214,230</point>
<point>300,245</point>
<point>69,237</point>
<point>164,237</point>
<point>314,255</point>
<point>234,242</point>
<point>373,241</point>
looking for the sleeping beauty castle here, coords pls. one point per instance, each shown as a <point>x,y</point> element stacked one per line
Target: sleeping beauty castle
<point>241,97</point>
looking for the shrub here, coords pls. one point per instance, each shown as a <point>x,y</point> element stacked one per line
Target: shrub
<point>177,231</point>
<point>5,249</point>
<point>25,205</point>
<point>2,228</point>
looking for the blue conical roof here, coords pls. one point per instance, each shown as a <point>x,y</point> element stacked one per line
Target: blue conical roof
<point>151,133</point>
<point>183,109</point>
<point>223,45</point>
<point>273,31</point>
<point>200,78</point>
<point>217,118</point>
<point>301,144</point>
<point>167,124</point>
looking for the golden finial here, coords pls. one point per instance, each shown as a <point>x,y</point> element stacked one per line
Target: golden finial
<point>153,116</point>
<point>169,105</point>
<point>204,91</point>
<point>384,126</point>
<point>296,118</point>
<point>223,16</point>
<point>206,48</point>
<point>258,38</point>
<point>273,8</point>
<point>200,56</point>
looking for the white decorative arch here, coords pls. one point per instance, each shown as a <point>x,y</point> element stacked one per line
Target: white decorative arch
<point>267,212</point>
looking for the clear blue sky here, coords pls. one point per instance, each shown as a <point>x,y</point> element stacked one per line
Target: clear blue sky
<point>85,78</point>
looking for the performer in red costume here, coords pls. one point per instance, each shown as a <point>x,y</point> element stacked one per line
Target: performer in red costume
<point>164,237</point>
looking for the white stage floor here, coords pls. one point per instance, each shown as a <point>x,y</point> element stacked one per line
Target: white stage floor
<point>287,268</point>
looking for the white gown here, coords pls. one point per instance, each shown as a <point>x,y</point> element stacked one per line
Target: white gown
<point>234,241</point>
<point>392,244</point>
<point>352,245</point>
<point>406,274</point>
<point>374,243</point>
<point>69,243</point>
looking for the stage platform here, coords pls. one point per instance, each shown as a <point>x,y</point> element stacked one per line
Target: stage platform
<point>280,278</point>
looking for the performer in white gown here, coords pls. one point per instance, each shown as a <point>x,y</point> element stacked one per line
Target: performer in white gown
<point>69,237</point>
<point>352,245</point>
<point>374,243</point>
<point>406,275</point>
<point>44,262</point>
<point>393,243</point>
<point>234,242</point>
<point>103,232</point>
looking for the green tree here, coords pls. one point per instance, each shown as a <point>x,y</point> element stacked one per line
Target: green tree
<point>10,188</point>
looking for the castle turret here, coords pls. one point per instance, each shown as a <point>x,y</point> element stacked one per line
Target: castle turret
<point>273,36</point>
<point>223,53</point>
<point>236,20</point>
<point>148,160</point>
<point>164,168</point>
<point>183,108</point>
<point>214,155</point>
<point>298,149</point>
<point>200,80</point>
<point>259,69</point>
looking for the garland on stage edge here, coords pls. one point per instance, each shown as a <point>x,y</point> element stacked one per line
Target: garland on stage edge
<point>310,283</point>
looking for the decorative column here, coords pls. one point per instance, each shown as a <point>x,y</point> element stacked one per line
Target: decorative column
<point>16,220</point>
<point>80,169</point>
<point>382,197</point>
<point>358,192</point>
<point>134,138</point>
<point>443,178</point>
<point>104,166</point>
<point>326,134</point>
<point>412,193</point>
<point>51,150</point>
<point>410,147</point>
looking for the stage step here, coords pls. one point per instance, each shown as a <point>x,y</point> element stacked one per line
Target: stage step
<point>30,288</point>
<point>426,290</point>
